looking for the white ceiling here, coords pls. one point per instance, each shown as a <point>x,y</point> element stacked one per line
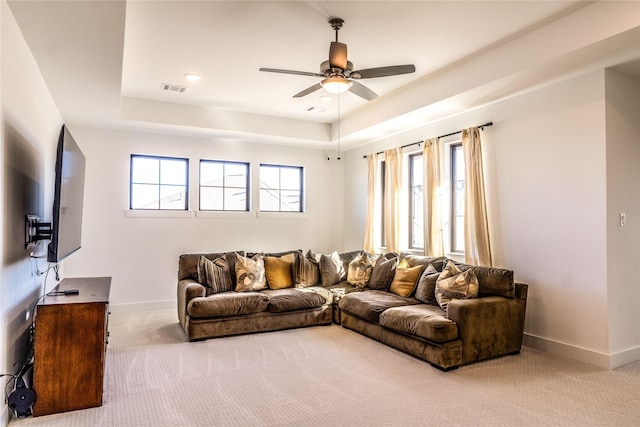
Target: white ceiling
<point>105,61</point>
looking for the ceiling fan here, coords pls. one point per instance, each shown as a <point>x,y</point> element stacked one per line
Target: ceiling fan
<point>338,74</point>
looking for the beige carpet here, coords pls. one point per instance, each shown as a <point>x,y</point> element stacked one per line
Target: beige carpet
<point>327,375</point>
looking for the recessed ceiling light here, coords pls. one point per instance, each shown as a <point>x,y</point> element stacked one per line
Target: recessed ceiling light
<point>192,76</point>
<point>325,98</point>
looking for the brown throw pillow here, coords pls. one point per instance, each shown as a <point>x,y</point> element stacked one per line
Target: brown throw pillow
<point>382,274</point>
<point>306,271</point>
<point>405,281</point>
<point>331,269</point>
<point>214,275</point>
<point>426,289</point>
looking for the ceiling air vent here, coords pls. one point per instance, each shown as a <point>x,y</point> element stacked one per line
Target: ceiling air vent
<point>315,109</point>
<point>173,88</point>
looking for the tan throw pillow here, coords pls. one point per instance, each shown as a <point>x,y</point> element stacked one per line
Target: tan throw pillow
<point>279,271</point>
<point>250,274</point>
<point>359,271</point>
<point>214,275</point>
<point>405,280</point>
<point>454,284</point>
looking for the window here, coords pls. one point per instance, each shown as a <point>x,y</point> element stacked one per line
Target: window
<point>158,183</point>
<point>281,188</point>
<point>416,201</point>
<point>458,175</point>
<point>224,186</point>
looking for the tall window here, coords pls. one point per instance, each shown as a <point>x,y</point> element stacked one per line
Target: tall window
<point>224,186</point>
<point>416,201</point>
<point>457,198</point>
<point>158,183</point>
<point>281,188</point>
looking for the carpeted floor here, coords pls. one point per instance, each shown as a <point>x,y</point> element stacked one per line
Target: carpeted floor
<point>327,375</point>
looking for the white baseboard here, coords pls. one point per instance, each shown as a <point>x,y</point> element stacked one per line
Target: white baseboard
<point>568,351</point>
<point>142,306</point>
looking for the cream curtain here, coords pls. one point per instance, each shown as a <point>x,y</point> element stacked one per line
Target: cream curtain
<point>393,190</point>
<point>476,229</point>
<point>369,236</point>
<point>433,243</point>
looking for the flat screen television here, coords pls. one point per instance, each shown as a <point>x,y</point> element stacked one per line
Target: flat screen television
<point>68,197</point>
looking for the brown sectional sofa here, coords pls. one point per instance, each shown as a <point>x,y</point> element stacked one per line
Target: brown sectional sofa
<point>469,330</point>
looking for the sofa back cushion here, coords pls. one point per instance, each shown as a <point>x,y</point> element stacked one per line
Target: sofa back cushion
<point>413,260</point>
<point>188,264</point>
<point>493,281</point>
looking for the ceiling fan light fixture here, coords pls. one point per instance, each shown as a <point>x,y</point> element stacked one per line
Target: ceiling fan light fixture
<point>336,85</point>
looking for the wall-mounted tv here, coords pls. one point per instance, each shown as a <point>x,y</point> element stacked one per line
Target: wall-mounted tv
<point>68,197</point>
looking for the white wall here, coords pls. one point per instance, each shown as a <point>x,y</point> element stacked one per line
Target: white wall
<point>545,174</point>
<point>141,253</point>
<point>623,196</point>
<point>30,125</point>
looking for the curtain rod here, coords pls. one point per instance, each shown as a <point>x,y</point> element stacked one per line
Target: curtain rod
<point>481,127</point>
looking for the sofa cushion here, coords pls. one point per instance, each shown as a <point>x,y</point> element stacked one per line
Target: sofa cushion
<point>279,271</point>
<point>281,300</point>
<point>331,269</point>
<point>382,274</point>
<point>228,304</point>
<point>306,271</point>
<point>413,260</point>
<point>359,270</point>
<point>454,284</point>
<point>368,305</point>
<point>492,281</point>
<point>250,274</point>
<point>215,275</point>
<point>426,288</point>
<point>424,321</point>
<point>405,280</point>
<point>188,264</point>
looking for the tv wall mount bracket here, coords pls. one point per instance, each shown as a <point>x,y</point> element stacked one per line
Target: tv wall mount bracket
<point>35,230</point>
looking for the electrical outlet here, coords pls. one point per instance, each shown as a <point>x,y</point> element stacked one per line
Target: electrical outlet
<point>623,219</point>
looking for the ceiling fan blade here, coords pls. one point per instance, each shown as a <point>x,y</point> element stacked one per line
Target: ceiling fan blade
<point>392,70</point>
<point>308,90</point>
<point>362,91</point>
<point>338,55</point>
<point>298,73</point>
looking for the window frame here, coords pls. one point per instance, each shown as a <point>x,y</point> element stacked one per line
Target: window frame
<point>159,183</point>
<point>455,149</point>
<point>411,201</point>
<point>224,163</point>
<point>280,189</point>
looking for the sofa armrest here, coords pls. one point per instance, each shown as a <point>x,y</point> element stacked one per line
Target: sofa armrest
<point>188,289</point>
<point>488,326</point>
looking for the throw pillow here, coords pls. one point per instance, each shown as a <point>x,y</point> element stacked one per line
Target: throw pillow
<point>306,271</point>
<point>405,281</point>
<point>214,275</point>
<point>278,271</point>
<point>426,289</point>
<point>250,274</point>
<point>331,269</point>
<point>382,274</point>
<point>360,271</point>
<point>455,284</point>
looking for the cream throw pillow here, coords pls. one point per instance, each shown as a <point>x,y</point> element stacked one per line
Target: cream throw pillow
<point>359,271</point>
<point>250,274</point>
<point>454,284</point>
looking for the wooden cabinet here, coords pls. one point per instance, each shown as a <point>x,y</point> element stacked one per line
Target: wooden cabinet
<point>70,346</point>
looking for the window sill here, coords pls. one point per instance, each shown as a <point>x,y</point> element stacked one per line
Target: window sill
<point>134,213</point>
<point>225,214</point>
<point>282,215</point>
